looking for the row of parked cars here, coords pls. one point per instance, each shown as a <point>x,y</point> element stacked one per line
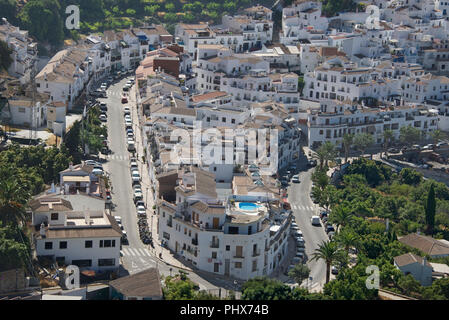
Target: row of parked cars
<point>300,245</point>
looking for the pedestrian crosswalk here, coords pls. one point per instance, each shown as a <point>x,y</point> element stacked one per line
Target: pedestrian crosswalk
<point>136,252</point>
<point>119,156</point>
<point>303,207</point>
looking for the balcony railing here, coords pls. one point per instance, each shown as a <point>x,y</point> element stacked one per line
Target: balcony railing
<point>256,253</point>
<point>195,242</point>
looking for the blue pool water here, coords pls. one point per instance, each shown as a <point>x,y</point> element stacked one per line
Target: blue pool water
<point>248,206</point>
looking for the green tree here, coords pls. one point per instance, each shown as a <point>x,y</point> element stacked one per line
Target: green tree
<point>13,200</point>
<point>263,288</point>
<point>410,176</point>
<point>409,135</point>
<point>14,248</point>
<point>347,143</point>
<point>363,141</point>
<point>347,239</point>
<point>437,135</point>
<point>299,273</point>
<point>5,55</point>
<point>341,216</point>
<point>329,252</point>
<point>430,210</point>
<point>388,138</point>
<point>409,285</point>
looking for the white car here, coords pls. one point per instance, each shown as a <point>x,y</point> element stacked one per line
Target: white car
<point>97,172</point>
<point>315,220</point>
<point>130,135</point>
<point>103,118</point>
<point>133,165</point>
<point>295,179</point>
<point>128,117</point>
<point>135,176</point>
<point>127,111</point>
<point>130,140</point>
<point>298,233</point>
<point>118,219</point>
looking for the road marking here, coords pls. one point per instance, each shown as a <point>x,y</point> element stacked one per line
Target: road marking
<point>142,251</point>
<point>137,252</point>
<point>125,251</point>
<point>133,253</point>
<point>143,261</point>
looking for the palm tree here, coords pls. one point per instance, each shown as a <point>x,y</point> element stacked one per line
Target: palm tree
<point>325,153</point>
<point>347,142</point>
<point>388,137</point>
<point>13,199</point>
<point>348,239</point>
<point>320,155</point>
<point>341,216</point>
<point>329,252</point>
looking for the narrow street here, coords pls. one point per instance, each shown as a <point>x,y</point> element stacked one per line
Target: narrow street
<point>137,256</point>
<point>303,209</point>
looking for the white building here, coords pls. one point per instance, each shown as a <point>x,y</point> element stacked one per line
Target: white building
<point>77,230</point>
<point>300,20</point>
<point>236,238</point>
<point>24,51</point>
<point>336,118</point>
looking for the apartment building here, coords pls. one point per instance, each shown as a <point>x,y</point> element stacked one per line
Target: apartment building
<point>246,77</point>
<point>425,87</point>
<point>242,237</point>
<point>77,230</point>
<point>337,118</point>
<point>255,24</point>
<point>24,51</point>
<point>66,75</point>
<point>300,20</point>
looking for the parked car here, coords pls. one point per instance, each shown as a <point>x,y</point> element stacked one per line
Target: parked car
<point>135,176</point>
<point>331,235</point>
<point>103,106</point>
<point>118,219</point>
<point>315,220</point>
<point>126,111</point>
<point>300,242</point>
<point>91,163</point>
<point>131,146</point>
<point>140,203</point>
<point>97,172</point>
<point>329,228</point>
<point>124,98</point>
<point>311,163</point>
<point>323,214</point>
<point>125,88</point>
<point>124,237</point>
<point>130,135</point>
<point>103,117</point>
<point>334,270</point>
<point>295,179</point>
<point>297,260</point>
<point>137,196</point>
<point>133,166</point>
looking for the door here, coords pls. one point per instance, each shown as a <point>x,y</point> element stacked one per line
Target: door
<point>176,247</point>
<point>227,267</point>
<point>216,267</point>
<point>215,222</point>
<point>239,251</point>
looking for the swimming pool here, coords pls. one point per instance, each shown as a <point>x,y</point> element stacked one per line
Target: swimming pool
<point>248,206</point>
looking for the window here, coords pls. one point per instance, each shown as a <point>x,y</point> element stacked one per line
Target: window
<point>62,244</point>
<point>214,255</point>
<point>88,244</point>
<point>22,110</point>
<point>48,245</point>
<point>238,265</point>
<point>232,120</point>
<point>106,262</point>
<point>166,235</point>
<point>228,248</point>
<point>60,260</point>
<point>54,216</point>
<point>82,263</point>
<point>106,243</point>
<point>223,119</point>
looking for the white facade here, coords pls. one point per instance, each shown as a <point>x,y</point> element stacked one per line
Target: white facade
<point>77,230</point>
<point>335,119</point>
